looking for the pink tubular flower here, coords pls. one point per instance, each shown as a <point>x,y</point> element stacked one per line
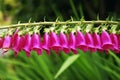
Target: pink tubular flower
<point>72,42</point>
<point>27,46</point>
<point>64,42</point>
<point>114,42</point>
<point>97,41</point>
<point>36,43</point>
<point>118,36</point>
<point>106,41</point>
<point>80,41</point>
<point>1,42</point>
<point>54,42</point>
<point>16,44</point>
<point>7,43</point>
<point>14,37</point>
<point>46,43</point>
<point>89,42</point>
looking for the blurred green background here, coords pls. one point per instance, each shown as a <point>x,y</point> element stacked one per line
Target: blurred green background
<point>84,66</point>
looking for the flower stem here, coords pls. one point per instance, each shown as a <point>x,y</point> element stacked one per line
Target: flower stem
<point>57,23</point>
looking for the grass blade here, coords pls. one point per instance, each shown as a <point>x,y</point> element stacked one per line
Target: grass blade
<point>66,64</point>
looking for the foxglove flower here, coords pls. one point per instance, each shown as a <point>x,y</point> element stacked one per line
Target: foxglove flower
<point>54,42</point>
<point>27,46</point>
<point>106,41</point>
<point>46,43</point>
<point>97,41</point>
<point>36,43</point>
<point>114,42</point>
<point>72,42</point>
<point>7,43</point>
<point>89,42</point>
<point>1,42</point>
<point>118,36</point>
<point>16,44</point>
<point>80,41</point>
<point>64,42</point>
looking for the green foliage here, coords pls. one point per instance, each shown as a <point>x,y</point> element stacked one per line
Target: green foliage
<point>84,66</point>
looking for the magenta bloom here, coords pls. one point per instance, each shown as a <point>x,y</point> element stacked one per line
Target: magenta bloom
<point>1,42</point>
<point>27,46</point>
<point>36,43</point>
<point>46,43</point>
<point>72,42</point>
<point>14,37</point>
<point>114,42</point>
<point>16,44</point>
<point>54,42</point>
<point>7,43</point>
<point>97,41</point>
<point>89,42</point>
<point>106,41</point>
<point>64,42</point>
<point>80,41</point>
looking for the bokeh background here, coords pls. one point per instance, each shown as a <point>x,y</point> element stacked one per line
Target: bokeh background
<point>86,66</point>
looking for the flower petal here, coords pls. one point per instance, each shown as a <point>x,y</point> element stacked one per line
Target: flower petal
<point>114,42</point>
<point>89,42</point>
<point>64,42</point>
<point>54,42</point>
<point>46,43</point>
<point>27,46</point>
<point>36,43</point>
<point>106,41</point>
<point>72,42</point>
<point>7,43</point>
<point>80,41</point>
<point>97,41</point>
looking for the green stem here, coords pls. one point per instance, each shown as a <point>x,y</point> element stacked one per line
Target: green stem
<point>57,23</point>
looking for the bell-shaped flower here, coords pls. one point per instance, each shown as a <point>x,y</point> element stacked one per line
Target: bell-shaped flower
<point>1,42</point>
<point>7,43</point>
<point>89,42</point>
<point>114,39</point>
<point>80,41</point>
<point>64,42</point>
<point>55,42</point>
<point>106,41</point>
<point>46,43</point>
<point>16,45</point>
<point>72,43</point>
<point>27,46</point>
<point>36,43</point>
<point>97,41</point>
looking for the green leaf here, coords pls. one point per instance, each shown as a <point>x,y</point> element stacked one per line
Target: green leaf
<point>116,58</point>
<point>66,64</point>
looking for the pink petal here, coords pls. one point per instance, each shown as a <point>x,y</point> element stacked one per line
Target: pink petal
<point>72,42</point>
<point>97,41</point>
<point>89,42</point>
<point>54,42</point>
<point>106,41</point>
<point>80,41</point>
<point>64,43</point>
<point>1,42</point>
<point>16,46</point>
<point>7,43</point>
<point>46,43</point>
<point>36,43</point>
<point>114,42</point>
<point>27,46</point>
